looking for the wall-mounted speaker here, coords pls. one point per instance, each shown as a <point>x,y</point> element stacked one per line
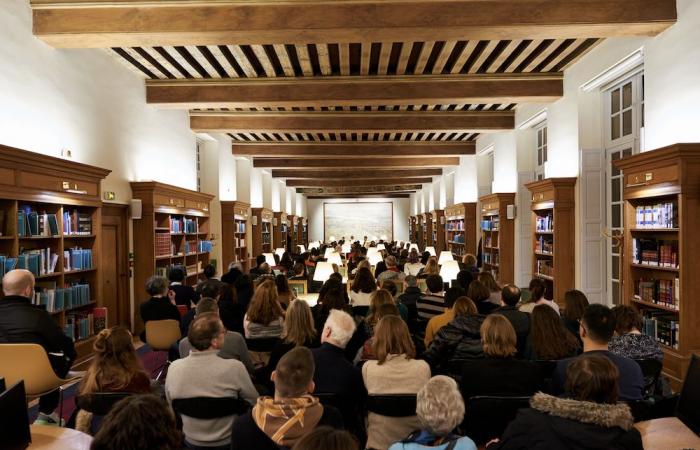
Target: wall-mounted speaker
<point>510,212</point>
<point>136,209</point>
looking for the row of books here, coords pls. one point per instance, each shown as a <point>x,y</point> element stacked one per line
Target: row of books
<point>655,252</point>
<point>77,259</point>
<point>663,327</point>
<point>183,225</point>
<point>660,215</point>
<point>58,299</point>
<point>660,292</point>
<point>32,224</point>
<point>240,227</point>
<point>83,325</point>
<point>77,223</point>
<point>43,261</point>
<point>458,238</point>
<point>455,225</point>
<point>163,244</point>
<point>490,224</point>
<point>544,267</point>
<point>544,245</point>
<point>544,223</point>
<point>490,258</point>
<point>240,242</point>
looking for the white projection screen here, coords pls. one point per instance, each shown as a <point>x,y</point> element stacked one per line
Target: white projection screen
<point>358,219</point>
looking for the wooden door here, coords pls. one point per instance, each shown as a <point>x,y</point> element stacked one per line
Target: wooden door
<point>115,269</point>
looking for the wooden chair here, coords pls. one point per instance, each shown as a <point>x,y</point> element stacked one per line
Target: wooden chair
<point>160,336</point>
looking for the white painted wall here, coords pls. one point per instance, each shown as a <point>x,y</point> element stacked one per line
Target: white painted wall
<point>400,207</point>
<point>465,184</point>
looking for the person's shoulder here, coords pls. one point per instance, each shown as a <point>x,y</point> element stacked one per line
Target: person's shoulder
<point>234,336</point>
<point>331,417</point>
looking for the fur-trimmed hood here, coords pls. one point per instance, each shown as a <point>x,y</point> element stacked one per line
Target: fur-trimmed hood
<point>603,415</point>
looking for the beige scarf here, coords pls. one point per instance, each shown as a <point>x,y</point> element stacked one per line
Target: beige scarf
<point>287,421</point>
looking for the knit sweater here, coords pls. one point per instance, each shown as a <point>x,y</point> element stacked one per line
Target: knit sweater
<point>205,374</point>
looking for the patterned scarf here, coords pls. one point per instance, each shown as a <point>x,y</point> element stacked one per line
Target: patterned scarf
<point>287,421</point>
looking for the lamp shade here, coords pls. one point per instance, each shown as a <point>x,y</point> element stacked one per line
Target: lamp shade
<point>431,250</point>
<point>313,245</point>
<point>270,259</point>
<point>334,258</point>
<point>374,258</point>
<point>279,252</point>
<point>331,239</point>
<point>381,247</point>
<point>449,270</point>
<point>347,248</point>
<point>328,252</point>
<point>323,271</point>
<point>302,249</point>
<point>445,257</point>
<point>412,246</point>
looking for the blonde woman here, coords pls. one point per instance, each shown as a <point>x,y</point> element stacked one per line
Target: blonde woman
<point>431,268</point>
<point>265,317</point>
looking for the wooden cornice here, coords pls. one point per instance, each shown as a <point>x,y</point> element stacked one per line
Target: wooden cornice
<point>353,149</point>
<point>133,23</point>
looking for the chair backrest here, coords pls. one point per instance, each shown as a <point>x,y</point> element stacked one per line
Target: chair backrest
<point>100,403</point>
<point>162,334</point>
<point>210,407</point>
<point>2,384</point>
<point>14,418</point>
<point>300,286</point>
<point>687,409</point>
<point>651,370</point>
<point>29,363</point>
<point>329,399</point>
<point>261,344</point>
<point>488,416</point>
<point>392,405</point>
<point>360,311</point>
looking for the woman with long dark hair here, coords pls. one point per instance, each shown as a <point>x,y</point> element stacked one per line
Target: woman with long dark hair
<point>549,339</point>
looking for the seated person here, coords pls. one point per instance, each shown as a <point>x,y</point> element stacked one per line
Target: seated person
<point>284,294</point>
<point>257,270</point>
<point>443,319</point>
<point>144,416</point>
<point>481,296</point>
<point>265,317</point>
<point>292,413</point>
<point>390,287</point>
<point>413,264</point>
<point>510,296</point>
<point>597,328</point>
<point>234,346</point>
<point>204,374</point>
<point>161,305</point>
<point>367,350</point>
<point>432,303</point>
<point>184,295</point>
<point>575,304</point>
<point>431,267</point>
<point>209,273</point>
<point>327,438</point>
<point>590,416</point>
<point>23,323</point>
<point>537,288</point>
<point>499,373</point>
<point>392,271</point>
<point>409,298</point>
<point>362,287</point>
<point>549,339</point>
<point>440,409</point>
<point>628,341</point>
<point>299,272</point>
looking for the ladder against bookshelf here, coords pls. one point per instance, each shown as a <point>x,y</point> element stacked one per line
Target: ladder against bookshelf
<point>427,221</point>
<point>262,231</point>
<point>438,230</point>
<point>234,233</point>
<point>553,234</point>
<point>51,224</point>
<point>174,230</point>
<point>460,229</point>
<point>498,237</point>
<point>280,230</point>
<point>660,277</point>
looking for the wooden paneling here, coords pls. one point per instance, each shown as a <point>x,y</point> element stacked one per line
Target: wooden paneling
<point>233,214</point>
<point>354,149</point>
<point>262,231</point>
<point>460,219</point>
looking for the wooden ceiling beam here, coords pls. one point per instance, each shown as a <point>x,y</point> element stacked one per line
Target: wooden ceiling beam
<point>332,192</point>
<point>355,91</point>
<point>360,163</point>
<point>292,174</point>
<point>353,122</point>
<point>134,23</point>
<point>323,197</point>
<point>354,149</point>
<point>357,182</point>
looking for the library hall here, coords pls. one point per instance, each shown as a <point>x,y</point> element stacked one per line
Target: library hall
<point>349,224</point>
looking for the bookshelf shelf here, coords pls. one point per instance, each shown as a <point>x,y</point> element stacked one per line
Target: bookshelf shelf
<point>280,230</point>
<point>498,236</point>
<point>553,244</point>
<point>413,229</point>
<point>460,229</point>
<point>662,204</point>
<point>234,233</point>
<point>262,231</point>
<point>427,229</point>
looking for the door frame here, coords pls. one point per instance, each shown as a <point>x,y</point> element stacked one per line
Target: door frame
<point>117,215</point>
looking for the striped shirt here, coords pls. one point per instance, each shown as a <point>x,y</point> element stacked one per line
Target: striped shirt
<point>430,305</point>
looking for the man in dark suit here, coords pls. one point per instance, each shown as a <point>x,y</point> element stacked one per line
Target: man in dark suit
<point>184,295</point>
<point>510,296</point>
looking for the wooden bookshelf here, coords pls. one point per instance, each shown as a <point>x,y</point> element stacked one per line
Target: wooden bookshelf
<point>419,232</point>
<point>303,232</point>
<point>498,237</point>
<point>54,186</point>
<point>234,233</point>
<point>413,229</point>
<point>174,226</point>
<point>262,231</point>
<point>460,229</point>
<point>293,232</point>
<point>427,221</point>
<point>665,176</point>
<point>438,230</point>
<point>280,230</point>
<point>553,234</point>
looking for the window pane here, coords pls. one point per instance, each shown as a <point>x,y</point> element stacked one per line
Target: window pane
<point>615,293</point>
<point>627,95</point>
<point>615,156</point>
<point>544,135</point>
<point>626,152</point>
<point>539,156</point>
<point>616,190</point>
<point>615,267</point>
<point>627,123</point>
<point>615,127</point>
<point>544,157</point>
<point>539,138</point>
<point>616,216</point>
<point>615,101</point>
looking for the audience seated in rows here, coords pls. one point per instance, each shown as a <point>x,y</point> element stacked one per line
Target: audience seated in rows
<point>510,296</point>
<point>538,289</point>
<point>575,304</point>
<point>264,318</point>
<point>588,417</point>
<point>628,341</point>
<point>432,302</point>
<point>184,295</point>
<point>204,374</point>
<point>413,264</point>
<point>487,279</point>
<point>161,305</point>
<point>549,339</point>
<point>439,321</point>
<point>362,287</point>
<point>481,295</point>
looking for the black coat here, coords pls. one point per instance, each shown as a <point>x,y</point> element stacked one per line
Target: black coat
<point>499,376</point>
<point>459,339</point>
<point>184,295</point>
<point>520,322</point>
<point>157,308</point>
<point>562,424</point>
<point>409,298</point>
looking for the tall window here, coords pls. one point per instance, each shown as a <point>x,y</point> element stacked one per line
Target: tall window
<point>199,165</point>
<point>541,132</point>
<point>623,105</point>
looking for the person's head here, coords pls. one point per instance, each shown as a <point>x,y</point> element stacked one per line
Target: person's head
<point>431,267</point>
<point>425,256</point>
<point>390,286</point>
<point>206,332</point>
<point>286,259</point>
<point>332,283</point>
<point>510,295</point>
<point>434,284</point>
<point>114,363</point>
<point>439,406</point>
<point>597,324</point>
<point>478,292</point>
<point>206,305</point>
<point>338,329</point>
<point>176,275</point>
<point>469,260</point>
<point>464,279</point>
<point>138,422</point>
<point>627,319</point>
<point>265,268</point>
<point>299,326</point>
<point>487,279</point>
<point>377,299</point>
<point>235,265</point>
<point>391,337</point>
<point>326,438</point>
<point>575,304</point>
<point>390,261</point>
<point>281,283</point>
<point>299,269</point>
<point>264,307</point>
<point>21,282</point>
<point>259,260</point>
<point>364,281</point>
<point>498,337</point>
<point>592,378</point>
<point>464,306</point>
<point>386,310</point>
<point>452,294</point>
<point>413,257</point>
<point>537,289</point>
<point>294,374</point>
<point>228,294</point>
<point>209,289</point>
<point>336,275</point>
<point>156,286</point>
<point>410,281</point>
<point>550,338</point>
<point>209,271</point>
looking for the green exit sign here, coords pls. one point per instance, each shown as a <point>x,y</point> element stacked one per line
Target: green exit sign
<point>109,195</point>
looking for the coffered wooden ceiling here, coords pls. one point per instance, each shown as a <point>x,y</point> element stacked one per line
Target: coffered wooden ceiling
<point>356,87</point>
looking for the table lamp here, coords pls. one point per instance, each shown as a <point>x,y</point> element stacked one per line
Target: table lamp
<point>381,247</point>
<point>323,271</point>
<point>328,252</point>
<point>302,249</point>
<point>449,271</point>
<point>334,258</point>
<point>445,257</point>
<point>412,246</point>
<point>431,250</point>
<point>347,248</point>
<point>279,252</point>
<point>374,258</point>
<point>270,259</point>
